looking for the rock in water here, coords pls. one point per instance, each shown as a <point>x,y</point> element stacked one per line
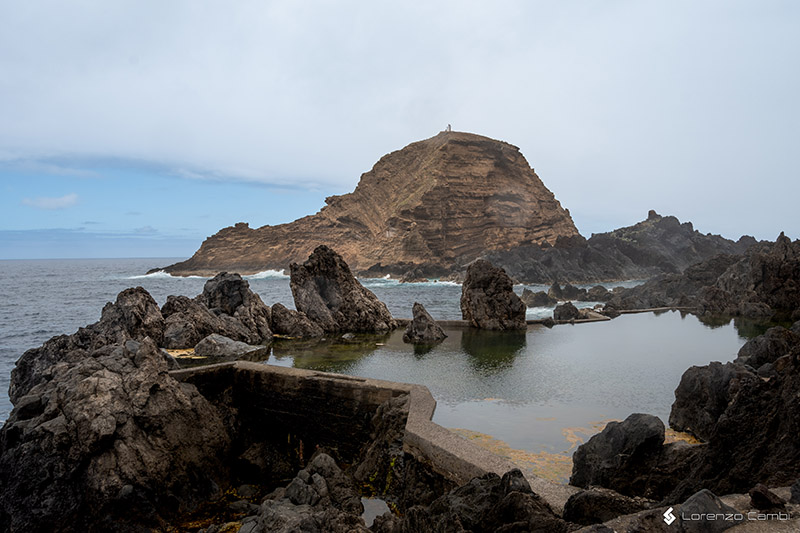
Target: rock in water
<point>218,346</point>
<point>107,439</point>
<point>488,300</point>
<point>444,200</point>
<point>134,315</point>
<point>423,329</point>
<point>327,292</point>
<point>291,323</point>
<point>536,299</point>
<point>226,306</point>
<point>566,311</point>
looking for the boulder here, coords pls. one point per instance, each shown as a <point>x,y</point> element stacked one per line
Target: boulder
<point>293,323</point>
<point>767,348</point>
<point>226,306</point>
<point>134,315</point>
<point>230,295</point>
<point>554,292</point>
<point>764,499</point>
<point>571,292</point>
<point>566,312</point>
<point>327,292</point>
<point>423,329</point>
<point>108,440</point>
<point>619,450</point>
<point>598,293</point>
<point>536,299</point>
<point>703,395</point>
<point>488,300</point>
<point>222,347</point>
<point>321,498</point>
<point>597,505</point>
<point>705,503</point>
<point>485,504</point>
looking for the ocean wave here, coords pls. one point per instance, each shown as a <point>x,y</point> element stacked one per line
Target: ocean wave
<point>268,274</point>
<point>163,275</point>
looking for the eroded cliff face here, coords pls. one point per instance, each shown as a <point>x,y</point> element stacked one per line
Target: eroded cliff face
<point>439,202</point>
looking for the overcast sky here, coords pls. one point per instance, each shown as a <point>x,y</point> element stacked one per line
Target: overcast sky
<point>139,128</point>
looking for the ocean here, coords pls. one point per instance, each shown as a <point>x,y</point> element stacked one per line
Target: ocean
<point>532,391</point>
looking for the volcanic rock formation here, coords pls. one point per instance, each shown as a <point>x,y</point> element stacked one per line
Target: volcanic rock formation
<point>433,204</point>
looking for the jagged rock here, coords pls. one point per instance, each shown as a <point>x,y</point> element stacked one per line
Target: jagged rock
<point>230,295</point>
<point>565,312</point>
<point>767,348</point>
<point>134,315</point>
<point>703,395</point>
<point>327,292</point>
<point>105,440</point>
<point>484,504</point>
<point>705,503</point>
<point>616,451</point>
<point>597,505</point>
<point>684,289</point>
<point>218,346</point>
<point>764,499</point>
<point>236,312</point>
<point>423,329</point>
<point>554,292</point>
<point>767,277</point>
<point>656,246</point>
<point>484,189</point>
<point>488,300</point>
<point>536,299</point>
<point>321,498</point>
<point>292,323</point>
<point>598,293</point>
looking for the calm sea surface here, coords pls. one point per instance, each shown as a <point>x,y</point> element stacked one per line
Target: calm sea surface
<point>524,389</point>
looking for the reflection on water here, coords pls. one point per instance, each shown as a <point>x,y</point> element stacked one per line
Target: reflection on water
<point>491,351</point>
<point>331,354</point>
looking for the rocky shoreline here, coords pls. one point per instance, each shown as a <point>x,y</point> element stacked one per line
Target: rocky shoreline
<point>107,432</point>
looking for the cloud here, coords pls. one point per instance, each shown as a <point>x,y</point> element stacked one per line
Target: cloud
<point>145,230</point>
<point>49,203</point>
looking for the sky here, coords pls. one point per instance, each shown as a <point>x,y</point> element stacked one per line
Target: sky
<point>138,128</point>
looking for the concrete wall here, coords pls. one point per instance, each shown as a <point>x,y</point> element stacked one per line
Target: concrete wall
<point>338,408</point>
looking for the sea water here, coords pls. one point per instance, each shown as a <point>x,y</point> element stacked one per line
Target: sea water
<point>530,389</point>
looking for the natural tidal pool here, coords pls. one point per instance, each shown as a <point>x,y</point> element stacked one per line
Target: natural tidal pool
<point>544,390</point>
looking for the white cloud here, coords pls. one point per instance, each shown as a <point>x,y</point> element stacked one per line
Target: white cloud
<point>43,202</point>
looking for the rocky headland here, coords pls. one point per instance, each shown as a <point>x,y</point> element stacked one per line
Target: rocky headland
<point>432,207</point>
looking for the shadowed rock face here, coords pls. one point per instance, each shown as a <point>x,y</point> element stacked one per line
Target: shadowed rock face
<point>488,300</point>
<point>436,202</point>
<point>105,440</point>
<point>292,323</point>
<point>330,296</point>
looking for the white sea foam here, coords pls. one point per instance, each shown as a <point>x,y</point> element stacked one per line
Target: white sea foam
<point>163,275</point>
<point>268,274</point>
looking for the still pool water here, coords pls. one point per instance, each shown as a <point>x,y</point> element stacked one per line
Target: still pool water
<point>526,389</point>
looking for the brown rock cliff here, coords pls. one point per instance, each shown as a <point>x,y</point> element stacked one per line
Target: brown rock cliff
<point>442,201</point>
